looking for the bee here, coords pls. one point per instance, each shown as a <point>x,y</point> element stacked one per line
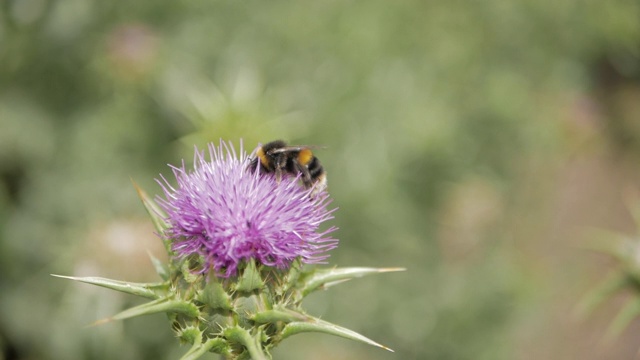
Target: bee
<point>279,158</point>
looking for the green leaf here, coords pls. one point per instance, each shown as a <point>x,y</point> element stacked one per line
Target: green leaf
<point>322,279</point>
<point>217,345</point>
<point>187,274</point>
<point>190,335</point>
<point>154,307</point>
<point>632,201</point>
<point>214,295</point>
<point>275,315</point>
<point>161,268</point>
<point>629,312</point>
<point>614,282</point>
<point>146,290</point>
<point>250,279</point>
<point>607,242</point>
<point>155,212</point>
<point>253,344</point>
<point>317,325</point>
<point>291,278</point>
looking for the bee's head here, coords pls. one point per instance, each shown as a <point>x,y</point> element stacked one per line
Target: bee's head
<point>266,155</point>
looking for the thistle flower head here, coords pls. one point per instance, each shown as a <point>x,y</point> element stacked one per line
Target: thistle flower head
<point>231,222</point>
<point>225,214</point>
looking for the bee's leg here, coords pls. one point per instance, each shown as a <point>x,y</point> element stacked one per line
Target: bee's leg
<point>278,175</point>
<point>280,164</point>
<point>306,176</point>
<point>253,164</point>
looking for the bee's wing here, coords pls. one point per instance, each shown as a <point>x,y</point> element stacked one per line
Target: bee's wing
<point>304,171</point>
<point>294,148</point>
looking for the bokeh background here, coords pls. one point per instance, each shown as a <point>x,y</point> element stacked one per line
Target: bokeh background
<point>475,143</point>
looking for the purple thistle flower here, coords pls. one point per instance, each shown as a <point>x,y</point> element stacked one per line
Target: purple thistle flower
<point>227,214</point>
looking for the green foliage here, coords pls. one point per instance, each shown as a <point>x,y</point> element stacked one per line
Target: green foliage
<point>241,317</point>
<point>625,278</point>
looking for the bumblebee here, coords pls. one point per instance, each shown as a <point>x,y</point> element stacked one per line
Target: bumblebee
<point>279,158</point>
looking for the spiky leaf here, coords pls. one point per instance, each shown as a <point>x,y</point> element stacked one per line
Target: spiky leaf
<point>214,296</point>
<point>250,279</point>
<point>614,282</point>
<point>629,312</point>
<point>322,279</point>
<point>313,324</point>
<point>157,306</point>
<point>251,342</point>
<point>146,290</point>
<point>161,268</point>
<point>279,314</point>
<point>217,345</point>
<point>155,212</point>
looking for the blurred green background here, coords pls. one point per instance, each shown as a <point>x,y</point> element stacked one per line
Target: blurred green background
<point>473,142</point>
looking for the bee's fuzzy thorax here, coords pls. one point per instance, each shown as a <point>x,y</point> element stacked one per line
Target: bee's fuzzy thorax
<point>305,156</point>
